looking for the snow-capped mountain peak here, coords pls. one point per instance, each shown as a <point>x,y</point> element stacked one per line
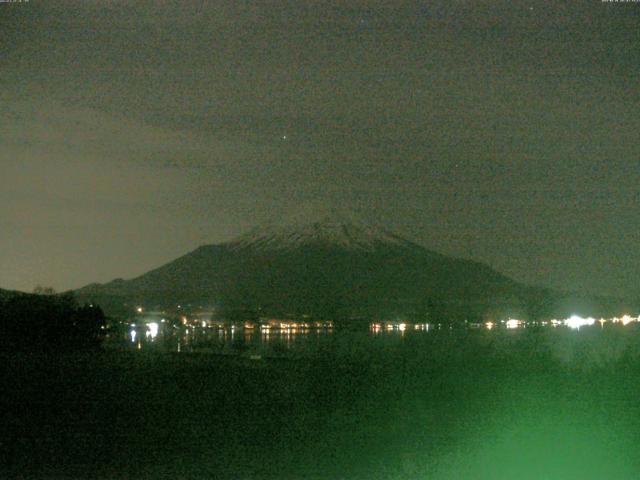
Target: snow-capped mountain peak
<point>331,231</point>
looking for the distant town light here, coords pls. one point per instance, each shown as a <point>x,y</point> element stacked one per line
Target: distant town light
<point>576,322</point>
<point>152,330</point>
<point>626,319</point>
<point>513,323</point>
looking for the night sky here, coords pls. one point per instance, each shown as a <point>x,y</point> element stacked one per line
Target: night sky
<point>507,132</point>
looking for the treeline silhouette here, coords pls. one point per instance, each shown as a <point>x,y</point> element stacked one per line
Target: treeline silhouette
<point>49,322</point>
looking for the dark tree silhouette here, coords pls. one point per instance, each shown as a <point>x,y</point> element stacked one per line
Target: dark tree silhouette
<point>40,290</point>
<point>53,322</point>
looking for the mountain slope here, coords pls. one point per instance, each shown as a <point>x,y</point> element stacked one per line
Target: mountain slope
<point>329,268</point>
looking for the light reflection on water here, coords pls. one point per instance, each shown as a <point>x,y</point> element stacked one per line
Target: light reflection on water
<point>264,340</point>
<point>236,340</point>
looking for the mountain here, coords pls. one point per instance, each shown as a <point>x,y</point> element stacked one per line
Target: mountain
<point>331,268</point>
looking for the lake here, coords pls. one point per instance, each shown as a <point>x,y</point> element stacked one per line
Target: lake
<point>530,403</point>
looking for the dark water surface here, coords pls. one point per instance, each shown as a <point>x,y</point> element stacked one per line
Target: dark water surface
<point>529,404</point>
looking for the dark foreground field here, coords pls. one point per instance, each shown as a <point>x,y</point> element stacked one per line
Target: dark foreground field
<point>471,405</point>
